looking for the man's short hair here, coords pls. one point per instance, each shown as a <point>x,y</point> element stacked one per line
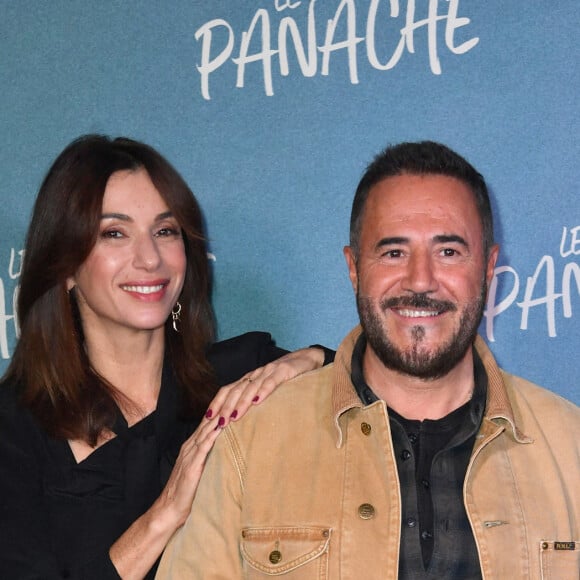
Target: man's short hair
<point>421,158</point>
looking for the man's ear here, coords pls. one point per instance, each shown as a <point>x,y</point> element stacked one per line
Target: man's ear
<point>350,256</point>
<point>491,262</point>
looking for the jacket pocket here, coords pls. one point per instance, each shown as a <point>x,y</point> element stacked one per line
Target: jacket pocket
<point>293,552</point>
<point>559,560</point>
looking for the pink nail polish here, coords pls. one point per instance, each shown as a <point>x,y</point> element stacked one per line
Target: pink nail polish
<point>208,414</point>
<point>234,414</point>
<point>255,399</point>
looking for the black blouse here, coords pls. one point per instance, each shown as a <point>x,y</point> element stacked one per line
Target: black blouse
<point>58,518</point>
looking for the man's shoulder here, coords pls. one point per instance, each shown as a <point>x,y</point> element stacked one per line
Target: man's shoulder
<point>307,396</point>
<point>532,401</point>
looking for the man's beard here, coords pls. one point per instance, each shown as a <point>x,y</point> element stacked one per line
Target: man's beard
<point>416,361</point>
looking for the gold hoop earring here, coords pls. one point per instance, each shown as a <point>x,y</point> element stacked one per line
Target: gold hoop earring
<point>176,317</point>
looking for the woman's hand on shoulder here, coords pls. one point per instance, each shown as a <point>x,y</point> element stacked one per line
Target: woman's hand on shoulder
<point>233,401</point>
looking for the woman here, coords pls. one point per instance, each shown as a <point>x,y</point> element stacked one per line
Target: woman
<point>111,374</point>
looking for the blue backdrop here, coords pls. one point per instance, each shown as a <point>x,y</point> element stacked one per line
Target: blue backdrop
<point>271,110</point>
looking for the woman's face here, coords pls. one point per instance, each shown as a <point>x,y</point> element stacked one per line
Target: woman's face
<point>135,272</point>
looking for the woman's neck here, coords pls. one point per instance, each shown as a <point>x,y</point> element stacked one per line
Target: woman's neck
<point>131,363</point>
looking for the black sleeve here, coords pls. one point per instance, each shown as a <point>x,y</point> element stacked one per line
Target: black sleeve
<point>233,358</point>
<point>25,531</point>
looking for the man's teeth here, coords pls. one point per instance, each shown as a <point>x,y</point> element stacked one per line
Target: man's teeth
<point>144,289</point>
<point>418,313</point>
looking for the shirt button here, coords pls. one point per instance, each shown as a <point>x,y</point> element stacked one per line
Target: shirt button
<point>366,511</point>
<point>405,454</point>
<point>366,429</point>
<point>426,535</point>
<point>425,483</point>
<point>413,438</point>
<point>411,522</point>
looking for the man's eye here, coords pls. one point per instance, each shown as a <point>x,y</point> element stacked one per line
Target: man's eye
<point>393,253</point>
<point>449,252</point>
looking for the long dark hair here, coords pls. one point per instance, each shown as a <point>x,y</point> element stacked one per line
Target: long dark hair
<point>50,364</point>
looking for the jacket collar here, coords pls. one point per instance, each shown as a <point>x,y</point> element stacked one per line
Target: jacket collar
<point>344,397</point>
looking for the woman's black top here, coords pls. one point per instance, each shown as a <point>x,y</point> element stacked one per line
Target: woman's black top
<point>58,518</point>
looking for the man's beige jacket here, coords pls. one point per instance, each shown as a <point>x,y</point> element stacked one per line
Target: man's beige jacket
<point>305,487</point>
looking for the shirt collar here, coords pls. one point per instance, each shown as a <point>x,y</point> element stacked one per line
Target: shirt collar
<point>367,396</point>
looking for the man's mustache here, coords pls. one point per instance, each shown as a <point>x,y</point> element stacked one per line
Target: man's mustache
<point>419,301</point>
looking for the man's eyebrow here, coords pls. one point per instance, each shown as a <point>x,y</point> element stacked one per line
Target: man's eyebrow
<point>451,238</point>
<point>392,241</point>
<point>126,218</point>
<point>439,239</point>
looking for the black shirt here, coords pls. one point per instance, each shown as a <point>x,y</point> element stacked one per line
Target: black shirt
<point>58,518</point>
<point>432,458</point>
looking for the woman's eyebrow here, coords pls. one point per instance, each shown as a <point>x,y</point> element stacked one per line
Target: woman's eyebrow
<point>114,215</point>
<point>126,218</point>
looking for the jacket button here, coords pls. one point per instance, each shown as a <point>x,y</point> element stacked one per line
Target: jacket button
<point>275,556</point>
<point>366,429</point>
<point>366,511</point>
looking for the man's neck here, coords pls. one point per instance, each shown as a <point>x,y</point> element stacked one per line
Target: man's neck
<point>416,398</point>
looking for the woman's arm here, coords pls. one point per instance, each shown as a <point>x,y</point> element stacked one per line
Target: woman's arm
<point>139,547</point>
<point>137,550</point>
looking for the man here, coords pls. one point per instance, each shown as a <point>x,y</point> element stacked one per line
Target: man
<point>414,455</point>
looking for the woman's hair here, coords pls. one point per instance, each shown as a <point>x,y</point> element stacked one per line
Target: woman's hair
<point>59,386</point>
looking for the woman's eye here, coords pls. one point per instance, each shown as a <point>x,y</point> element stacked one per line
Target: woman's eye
<point>168,231</point>
<point>111,234</point>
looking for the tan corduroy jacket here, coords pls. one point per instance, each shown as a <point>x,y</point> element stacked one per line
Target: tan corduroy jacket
<point>305,487</point>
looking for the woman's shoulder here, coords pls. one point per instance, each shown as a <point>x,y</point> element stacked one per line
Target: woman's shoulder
<point>10,395</point>
<point>249,342</point>
<point>16,421</point>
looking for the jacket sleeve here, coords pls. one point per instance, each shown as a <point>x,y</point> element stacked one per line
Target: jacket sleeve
<point>207,547</point>
<point>25,545</point>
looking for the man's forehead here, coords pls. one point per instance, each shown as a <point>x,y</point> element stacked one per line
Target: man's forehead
<point>417,194</point>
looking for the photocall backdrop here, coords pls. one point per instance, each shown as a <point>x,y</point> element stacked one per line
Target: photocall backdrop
<point>271,110</point>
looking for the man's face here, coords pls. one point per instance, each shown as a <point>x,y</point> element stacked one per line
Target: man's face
<point>421,276</point>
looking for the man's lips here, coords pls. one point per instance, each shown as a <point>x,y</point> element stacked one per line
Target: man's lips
<point>416,313</point>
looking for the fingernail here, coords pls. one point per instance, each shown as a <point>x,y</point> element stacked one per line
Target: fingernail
<point>221,422</point>
<point>255,399</point>
<point>208,414</point>
<point>234,414</point>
